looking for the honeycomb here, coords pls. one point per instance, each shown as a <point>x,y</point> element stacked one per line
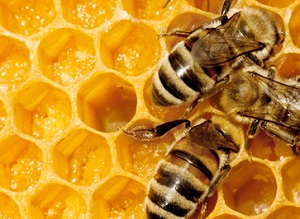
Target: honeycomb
<point>75,73</point>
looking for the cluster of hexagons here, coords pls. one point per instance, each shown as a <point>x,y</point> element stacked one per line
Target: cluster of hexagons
<point>74,72</point>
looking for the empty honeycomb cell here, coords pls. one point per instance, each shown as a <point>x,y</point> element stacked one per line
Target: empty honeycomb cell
<point>152,10</point>
<point>106,102</point>
<point>291,181</point>
<point>141,157</point>
<point>21,165</point>
<point>119,197</point>
<point>66,56</point>
<point>285,212</point>
<point>14,63</point>
<point>250,188</point>
<point>57,201</point>
<point>289,65</point>
<point>187,22</point>
<point>26,17</point>
<point>88,13</point>
<point>276,3</point>
<point>131,48</point>
<point>42,111</point>
<point>8,208</point>
<point>294,26</point>
<point>82,158</point>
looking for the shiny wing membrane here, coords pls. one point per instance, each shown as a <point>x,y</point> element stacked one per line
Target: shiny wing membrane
<point>223,44</point>
<point>284,98</point>
<point>209,136</point>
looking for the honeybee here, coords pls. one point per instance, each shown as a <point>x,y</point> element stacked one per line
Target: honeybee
<point>199,66</point>
<point>192,169</point>
<point>256,96</point>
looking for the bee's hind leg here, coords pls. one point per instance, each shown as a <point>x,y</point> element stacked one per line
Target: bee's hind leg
<point>158,131</point>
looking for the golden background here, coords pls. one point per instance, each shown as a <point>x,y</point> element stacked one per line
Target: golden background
<point>74,72</point>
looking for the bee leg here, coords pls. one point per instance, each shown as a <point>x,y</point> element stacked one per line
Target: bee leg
<point>219,85</point>
<point>296,145</point>
<point>203,210</point>
<point>214,185</point>
<point>158,131</point>
<point>226,6</point>
<point>166,4</point>
<point>252,131</point>
<point>176,32</point>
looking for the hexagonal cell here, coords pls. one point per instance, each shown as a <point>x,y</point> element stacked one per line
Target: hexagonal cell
<point>88,13</point>
<point>285,212</point>
<point>21,165</point>
<point>250,188</point>
<point>208,5</point>
<point>106,102</point>
<point>289,65</point>
<point>42,111</point>
<point>294,26</point>
<point>82,158</point>
<point>14,63</point>
<point>131,48</point>
<point>26,17</point>
<point>8,208</point>
<point>276,3</point>
<point>57,201</point>
<point>187,22</point>
<point>152,10</point>
<point>291,181</point>
<point>66,56</point>
<point>142,157</point>
<point>119,197</point>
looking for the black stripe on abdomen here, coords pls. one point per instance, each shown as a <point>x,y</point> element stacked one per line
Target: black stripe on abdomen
<point>177,182</point>
<point>193,161</point>
<point>183,70</point>
<point>167,205</point>
<point>170,85</point>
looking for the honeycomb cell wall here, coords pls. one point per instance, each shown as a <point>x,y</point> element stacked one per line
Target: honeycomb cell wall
<point>75,74</point>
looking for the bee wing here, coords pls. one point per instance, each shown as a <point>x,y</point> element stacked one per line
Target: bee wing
<point>209,136</point>
<point>223,44</point>
<point>285,98</point>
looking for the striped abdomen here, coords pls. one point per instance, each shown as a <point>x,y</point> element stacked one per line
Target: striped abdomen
<point>179,79</point>
<point>182,181</point>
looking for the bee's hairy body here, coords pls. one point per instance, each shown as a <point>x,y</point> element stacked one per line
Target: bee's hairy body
<point>183,180</point>
<point>211,52</point>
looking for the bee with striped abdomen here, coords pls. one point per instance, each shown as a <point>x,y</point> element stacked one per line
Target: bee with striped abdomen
<point>200,66</point>
<point>257,96</point>
<point>192,169</point>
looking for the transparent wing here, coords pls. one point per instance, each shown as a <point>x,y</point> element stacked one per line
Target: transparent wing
<point>223,44</point>
<point>211,137</point>
<point>284,107</point>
